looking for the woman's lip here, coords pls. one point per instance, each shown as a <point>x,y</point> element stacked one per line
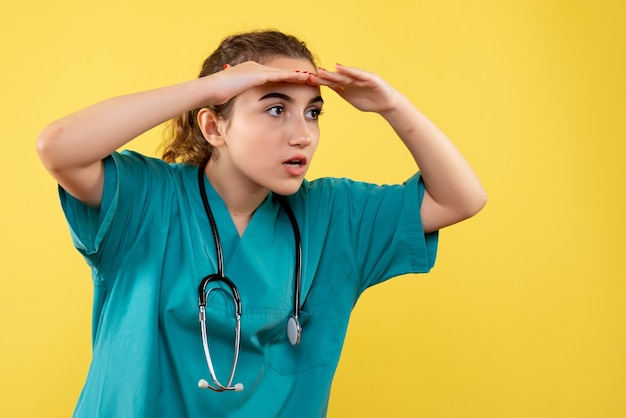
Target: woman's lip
<point>299,157</point>
<point>295,169</point>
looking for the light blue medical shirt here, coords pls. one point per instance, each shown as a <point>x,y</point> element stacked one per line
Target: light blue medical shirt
<point>151,244</point>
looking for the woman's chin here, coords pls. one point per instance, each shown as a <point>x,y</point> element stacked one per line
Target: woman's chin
<point>287,189</point>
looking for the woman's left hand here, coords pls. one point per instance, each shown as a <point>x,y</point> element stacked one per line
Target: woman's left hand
<point>364,90</point>
<point>453,192</point>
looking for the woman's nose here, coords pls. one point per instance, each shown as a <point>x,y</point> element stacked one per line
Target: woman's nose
<point>300,135</point>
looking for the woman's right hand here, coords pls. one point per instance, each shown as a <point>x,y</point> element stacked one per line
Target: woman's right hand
<point>72,148</point>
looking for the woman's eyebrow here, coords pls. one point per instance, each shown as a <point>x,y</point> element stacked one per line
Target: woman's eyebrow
<point>288,99</point>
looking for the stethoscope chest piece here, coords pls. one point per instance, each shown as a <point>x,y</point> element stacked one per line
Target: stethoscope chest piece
<point>294,330</point>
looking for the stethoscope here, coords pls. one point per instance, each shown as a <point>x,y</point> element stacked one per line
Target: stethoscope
<point>294,329</point>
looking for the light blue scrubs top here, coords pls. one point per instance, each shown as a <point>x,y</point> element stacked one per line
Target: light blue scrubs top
<point>151,244</point>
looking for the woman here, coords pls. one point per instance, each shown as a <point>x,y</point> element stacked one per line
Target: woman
<point>224,209</point>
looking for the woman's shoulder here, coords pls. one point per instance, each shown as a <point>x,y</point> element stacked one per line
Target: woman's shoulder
<point>135,162</point>
<point>136,177</point>
<point>341,194</point>
<point>329,194</point>
<point>134,157</point>
<point>326,185</point>
<point>340,186</point>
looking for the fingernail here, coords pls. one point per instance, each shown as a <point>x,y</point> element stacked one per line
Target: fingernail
<point>226,66</point>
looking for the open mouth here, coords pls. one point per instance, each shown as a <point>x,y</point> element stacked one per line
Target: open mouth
<point>295,163</point>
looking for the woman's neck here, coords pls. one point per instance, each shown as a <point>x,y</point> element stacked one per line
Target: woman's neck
<point>241,199</point>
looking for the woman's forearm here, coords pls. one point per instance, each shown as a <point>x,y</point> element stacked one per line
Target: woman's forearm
<point>453,191</point>
<point>89,135</point>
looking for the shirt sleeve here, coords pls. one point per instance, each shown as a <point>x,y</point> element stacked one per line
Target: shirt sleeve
<point>380,228</point>
<point>104,236</point>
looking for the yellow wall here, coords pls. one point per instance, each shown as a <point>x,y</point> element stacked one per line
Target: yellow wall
<point>525,312</point>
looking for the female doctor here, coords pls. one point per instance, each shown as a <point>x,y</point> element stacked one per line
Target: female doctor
<point>224,280</point>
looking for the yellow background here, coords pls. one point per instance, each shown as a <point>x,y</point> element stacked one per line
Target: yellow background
<point>524,314</point>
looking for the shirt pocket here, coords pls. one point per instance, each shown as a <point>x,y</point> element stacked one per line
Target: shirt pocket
<point>322,335</point>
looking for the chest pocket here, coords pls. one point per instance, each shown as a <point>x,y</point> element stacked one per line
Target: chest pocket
<point>323,332</point>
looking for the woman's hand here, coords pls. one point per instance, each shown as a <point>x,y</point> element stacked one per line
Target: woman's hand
<point>72,148</point>
<point>453,192</point>
<point>364,90</point>
<point>234,80</point>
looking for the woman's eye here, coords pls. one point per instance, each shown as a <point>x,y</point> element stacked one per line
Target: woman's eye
<point>313,113</point>
<point>277,110</point>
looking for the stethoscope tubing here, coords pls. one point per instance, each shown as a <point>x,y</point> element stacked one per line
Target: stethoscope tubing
<point>202,298</point>
<point>296,232</point>
<point>294,330</point>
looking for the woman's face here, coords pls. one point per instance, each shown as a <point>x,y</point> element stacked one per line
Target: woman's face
<point>273,132</point>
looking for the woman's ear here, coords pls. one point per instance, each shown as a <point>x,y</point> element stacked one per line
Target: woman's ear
<point>211,126</point>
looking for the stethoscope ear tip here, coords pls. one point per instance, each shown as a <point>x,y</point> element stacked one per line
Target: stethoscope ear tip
<point>203,384</point>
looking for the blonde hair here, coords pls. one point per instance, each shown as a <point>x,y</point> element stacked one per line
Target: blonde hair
<point>184,141</point>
